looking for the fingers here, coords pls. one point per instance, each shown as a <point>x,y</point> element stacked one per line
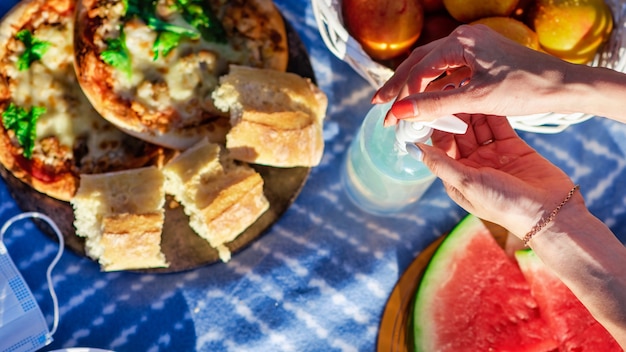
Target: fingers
<point>500,127</point>
<point>452,173</point>
<point>477,135</point>
<point>425,64</point>
<point>411,107</point>
<point>483,134</point>
<point>391,89</point>
<point>447,169</point>
<point>446,142</point>
<point>482,131</point>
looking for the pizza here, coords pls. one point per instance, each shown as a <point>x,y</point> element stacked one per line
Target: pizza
<point>49,131</point>
<point>150,66</point>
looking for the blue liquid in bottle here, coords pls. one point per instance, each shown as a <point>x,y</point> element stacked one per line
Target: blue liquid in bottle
<point>378,178</point>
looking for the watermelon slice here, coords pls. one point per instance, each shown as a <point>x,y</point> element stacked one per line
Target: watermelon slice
<point>473,297</point>
<point>573,326</point>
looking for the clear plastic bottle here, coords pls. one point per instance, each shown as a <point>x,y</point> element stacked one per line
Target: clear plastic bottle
<point>379,175</point>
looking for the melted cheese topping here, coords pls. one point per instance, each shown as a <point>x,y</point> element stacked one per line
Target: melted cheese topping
<point>183,80</point>
<point>51,83</point>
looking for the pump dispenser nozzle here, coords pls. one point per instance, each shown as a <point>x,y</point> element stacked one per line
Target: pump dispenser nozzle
<point>419,132</point>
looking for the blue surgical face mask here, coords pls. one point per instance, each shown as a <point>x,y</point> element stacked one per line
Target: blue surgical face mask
<point>22,324</point>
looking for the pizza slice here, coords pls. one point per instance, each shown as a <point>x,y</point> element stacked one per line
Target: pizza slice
<point>49,132</point>
<point>150,66</point>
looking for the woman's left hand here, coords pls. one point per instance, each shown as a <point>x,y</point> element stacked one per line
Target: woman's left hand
<point>492,173</point>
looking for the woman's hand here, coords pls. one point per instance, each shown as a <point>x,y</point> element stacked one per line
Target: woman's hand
<point>492,173</point>
<point>505,78</point>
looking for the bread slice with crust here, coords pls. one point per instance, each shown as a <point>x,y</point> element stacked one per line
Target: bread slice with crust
<point>276,117</point>
<point>221,197</point>
<point>121,216</point>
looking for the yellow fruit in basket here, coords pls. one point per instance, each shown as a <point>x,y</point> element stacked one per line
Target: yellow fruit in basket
<point>384,28</point>
<point>470,10</point>
<point>512,29</point>
<point>572,30</point>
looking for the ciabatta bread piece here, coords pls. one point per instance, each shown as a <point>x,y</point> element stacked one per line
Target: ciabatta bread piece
<point>121,216</point>
<point>276,117</point>
<point>222,198</point>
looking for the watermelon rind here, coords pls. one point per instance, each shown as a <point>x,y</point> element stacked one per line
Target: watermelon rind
<point>528,261</point>
<point>437,271</point>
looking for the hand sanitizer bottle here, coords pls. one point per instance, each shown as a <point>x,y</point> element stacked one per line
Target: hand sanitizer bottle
<point>379,175</point>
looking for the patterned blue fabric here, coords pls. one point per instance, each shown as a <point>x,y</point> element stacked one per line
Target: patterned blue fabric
<point>319,278</point>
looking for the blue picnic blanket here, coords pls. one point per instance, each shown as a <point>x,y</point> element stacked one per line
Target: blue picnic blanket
<point>317,279</point>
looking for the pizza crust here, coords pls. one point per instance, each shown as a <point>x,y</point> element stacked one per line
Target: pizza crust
<point>57,185</point>
<point>155,103</point>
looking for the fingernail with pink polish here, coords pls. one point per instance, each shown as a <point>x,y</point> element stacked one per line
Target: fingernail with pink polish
<point>403,109</point>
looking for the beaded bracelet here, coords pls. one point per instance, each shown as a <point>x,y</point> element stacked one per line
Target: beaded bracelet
<point>543,222</point>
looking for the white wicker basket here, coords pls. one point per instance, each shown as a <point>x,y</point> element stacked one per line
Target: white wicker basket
<point>341,44</point>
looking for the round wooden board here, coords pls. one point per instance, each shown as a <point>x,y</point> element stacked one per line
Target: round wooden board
<point>182,247</point>
<point>395,330</point>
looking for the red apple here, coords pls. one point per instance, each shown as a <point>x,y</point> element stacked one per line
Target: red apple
<point>384,28</point>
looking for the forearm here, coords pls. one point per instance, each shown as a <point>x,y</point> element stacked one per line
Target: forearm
<point>591,261</point>
<point>596,91</point>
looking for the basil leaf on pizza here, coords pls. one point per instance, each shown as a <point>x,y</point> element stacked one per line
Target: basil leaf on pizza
<point>117,55</point>
<point>169,35</point>
<point>33,49</point>
<point>22,122</point>
<point>165,43</point>
<point>203,19</point>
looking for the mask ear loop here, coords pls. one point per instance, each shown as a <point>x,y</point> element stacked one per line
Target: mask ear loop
<point>55,301</point>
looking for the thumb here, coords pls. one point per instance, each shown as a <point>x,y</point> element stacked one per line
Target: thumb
<point>449,170</point>
<point>427,106</point>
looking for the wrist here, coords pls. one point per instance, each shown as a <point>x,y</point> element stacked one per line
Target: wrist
<point>567,222</point>
<point>547,219</point>
<point>594,90</point>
